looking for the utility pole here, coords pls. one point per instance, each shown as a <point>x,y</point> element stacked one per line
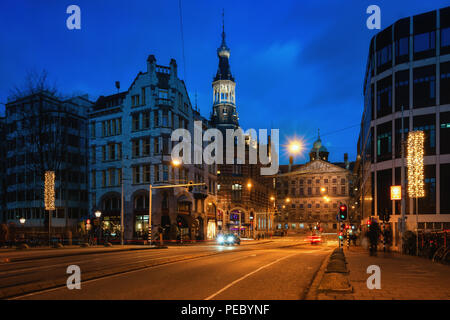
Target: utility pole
<point>402,176</point>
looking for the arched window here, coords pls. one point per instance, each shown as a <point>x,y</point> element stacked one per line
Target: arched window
<point>141,202</point>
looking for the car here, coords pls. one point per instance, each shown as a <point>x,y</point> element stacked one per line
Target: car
<point>315,238</point>
<point>228,239</point>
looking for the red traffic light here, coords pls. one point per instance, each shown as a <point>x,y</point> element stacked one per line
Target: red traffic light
<point>343,207</point>
<point>88,221</point>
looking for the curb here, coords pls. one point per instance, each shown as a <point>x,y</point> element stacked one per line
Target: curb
<point>311,293</point>
<point>329,280</point>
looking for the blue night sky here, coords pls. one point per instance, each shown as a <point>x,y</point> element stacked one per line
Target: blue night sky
<point>298,65</point>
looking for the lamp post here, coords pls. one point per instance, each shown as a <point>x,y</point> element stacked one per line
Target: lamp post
<point>98,214</point>
<point>22,221</point>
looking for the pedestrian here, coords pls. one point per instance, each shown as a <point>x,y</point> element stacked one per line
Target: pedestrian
<point>373,234</point>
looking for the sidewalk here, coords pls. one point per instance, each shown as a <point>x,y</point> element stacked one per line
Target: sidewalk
<point>403,277</point>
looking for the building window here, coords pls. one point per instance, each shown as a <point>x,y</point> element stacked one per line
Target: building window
<point>93,156</point>
<point>143,95</point>
<point>445,133</point>
<point>135,148</point>
<point>402,90</point>
<point>135,122</point>
<point>425,86</point>
<point>103,153</point>
<point>92,129</point>
<point>165,173</point>
<point>112,151</point>
<point>103,178</point>
<point>156,118</point>
<point>424,45</point>
<point>146,120</point>
<point>165,118</point>
<point>236,192</point>
<point>445,83</point>
<point>384,56</point>
<point>146,146</point>
<point>156,168</point>
<point>93,179</point>
<point>427,123</point>
<point>398,135</point>
<point>384,97</point>
<point>384,141</point>
<point>146,173</point>
<point>135,100</point>
<point>427,204</point>
<point>136,174</point>
<point>112,177</point>
<point>156,146</point>
<point>402,50</point>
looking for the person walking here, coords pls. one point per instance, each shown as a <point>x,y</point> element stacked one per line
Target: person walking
<point>373,234</point>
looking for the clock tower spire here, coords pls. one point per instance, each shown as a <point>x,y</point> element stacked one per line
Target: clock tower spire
<point>224,104</point>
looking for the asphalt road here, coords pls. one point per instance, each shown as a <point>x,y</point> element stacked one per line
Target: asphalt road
<point>282,269</point>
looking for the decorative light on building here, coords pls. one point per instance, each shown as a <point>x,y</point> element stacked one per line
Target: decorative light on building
<point>49,190</point>
<point>414,161</point>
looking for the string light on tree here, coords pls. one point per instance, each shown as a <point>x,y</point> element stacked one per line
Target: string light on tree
<point>415,155</point>
<point>49,190</point>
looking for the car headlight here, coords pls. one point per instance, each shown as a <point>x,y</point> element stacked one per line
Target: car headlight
<point>220,239</point>
<point>230,239</point>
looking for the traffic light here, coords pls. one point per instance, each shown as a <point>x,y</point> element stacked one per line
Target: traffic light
<point>387,216</point>
<point>190,188</point>
<point>341,235</point>
<point>343,212</point>
<point>88,224</point>
<point>369,222</point>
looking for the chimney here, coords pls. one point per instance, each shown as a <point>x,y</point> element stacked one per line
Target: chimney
<point>151,64</point>
<point>291,162</point>
<point>173,68</point>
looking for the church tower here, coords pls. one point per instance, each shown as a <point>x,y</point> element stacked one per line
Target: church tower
<point>224,114</point>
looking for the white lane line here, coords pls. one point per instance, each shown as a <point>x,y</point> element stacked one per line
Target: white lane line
<point>247,275</point>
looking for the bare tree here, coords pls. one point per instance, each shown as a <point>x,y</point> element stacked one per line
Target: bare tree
<point>40,135</point>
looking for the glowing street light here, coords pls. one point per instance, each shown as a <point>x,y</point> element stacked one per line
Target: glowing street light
<point>295,147</point>
<point>176,162</point>
<point>249,185</point>
<point>272,198</point>
<point>98,214</point>
<point>22,220</point>
<point>288,200</point>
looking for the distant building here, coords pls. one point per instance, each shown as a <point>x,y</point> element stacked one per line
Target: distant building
<point>46,133</point>
<point>130,142</point>
<point>407,77</point>
<point>243,194</point>
<point>3,184</point>
<point>310,194</point>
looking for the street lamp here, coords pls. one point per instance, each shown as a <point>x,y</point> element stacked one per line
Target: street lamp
<point>295,147</point>
<point>22,221</point>
<point>98,214</point>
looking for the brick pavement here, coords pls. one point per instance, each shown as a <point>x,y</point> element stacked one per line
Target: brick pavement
<point>403,277</point>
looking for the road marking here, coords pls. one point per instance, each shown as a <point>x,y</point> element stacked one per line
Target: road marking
<point>247,275</point>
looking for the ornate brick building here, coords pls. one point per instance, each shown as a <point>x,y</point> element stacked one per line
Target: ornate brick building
<point>243,194</point>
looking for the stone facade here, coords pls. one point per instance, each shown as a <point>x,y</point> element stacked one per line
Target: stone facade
<point>130,143</point>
